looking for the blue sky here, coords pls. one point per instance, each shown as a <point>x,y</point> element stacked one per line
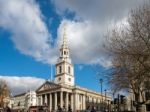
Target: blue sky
<point>31,33</point>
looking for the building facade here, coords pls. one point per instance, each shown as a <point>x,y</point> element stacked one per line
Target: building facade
<point>30,99</point>
<point>63,93</point>
<point>18,102</point>
<point>23,101</point>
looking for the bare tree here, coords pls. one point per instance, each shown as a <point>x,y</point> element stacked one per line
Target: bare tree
<point>129,46</point>
<point>4,92</point>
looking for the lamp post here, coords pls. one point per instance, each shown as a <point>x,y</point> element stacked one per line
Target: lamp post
<point>101,83</point>
<point>105,94</point>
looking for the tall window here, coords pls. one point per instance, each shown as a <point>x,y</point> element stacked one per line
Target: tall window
<point>64,52</point>
<point>60,69</point>
<point>69,69</point>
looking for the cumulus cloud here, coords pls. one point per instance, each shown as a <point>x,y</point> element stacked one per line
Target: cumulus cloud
<point>19,85</point>
<point>86,32</point>
<point>86,41</point>
<point>85,44</point>
<point>30,35</point>
<point>97,10</point>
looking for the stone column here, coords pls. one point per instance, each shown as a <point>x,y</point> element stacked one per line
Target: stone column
<point>72,101</point>
<point>56,101</point>
<point>50,101</point>
<point>81,96</point>
<point>76,102</point>
<point>67,101</point>
<point>84,103</point>
<point>45,99</point>
<point>61,99</point>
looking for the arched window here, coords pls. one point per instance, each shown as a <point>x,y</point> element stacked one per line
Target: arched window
<point>64,52</point>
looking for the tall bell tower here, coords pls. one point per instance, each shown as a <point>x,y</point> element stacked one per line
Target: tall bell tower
<point>64,67</point>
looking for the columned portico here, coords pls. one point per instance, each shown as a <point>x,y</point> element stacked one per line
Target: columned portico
<point>50,99</point>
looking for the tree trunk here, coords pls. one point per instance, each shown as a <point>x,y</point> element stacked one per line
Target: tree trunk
<point>139,108</point>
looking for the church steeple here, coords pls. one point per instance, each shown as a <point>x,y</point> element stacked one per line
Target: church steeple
<point>64,67</point>
<point>64,50</point>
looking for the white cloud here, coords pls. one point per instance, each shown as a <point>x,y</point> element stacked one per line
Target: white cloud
<point>86,41</point>
<point>97,10</point>
<point>30,35</point>
<point>86,32</point>
<point>19,85</point>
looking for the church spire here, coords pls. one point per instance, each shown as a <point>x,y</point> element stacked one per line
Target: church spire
<point>64,50</point>
<point>64,44</point>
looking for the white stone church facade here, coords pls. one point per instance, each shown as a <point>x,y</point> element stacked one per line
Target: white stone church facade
<point>63,92</point>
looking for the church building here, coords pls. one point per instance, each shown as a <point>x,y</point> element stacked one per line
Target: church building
<point>63,93</point>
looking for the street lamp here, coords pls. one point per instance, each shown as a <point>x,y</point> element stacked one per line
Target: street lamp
<point>105,94</point>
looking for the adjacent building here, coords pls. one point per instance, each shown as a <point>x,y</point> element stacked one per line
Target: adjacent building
<point>23,101</point>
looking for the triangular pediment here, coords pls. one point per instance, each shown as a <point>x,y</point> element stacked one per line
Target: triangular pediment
<point>47,86</point>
